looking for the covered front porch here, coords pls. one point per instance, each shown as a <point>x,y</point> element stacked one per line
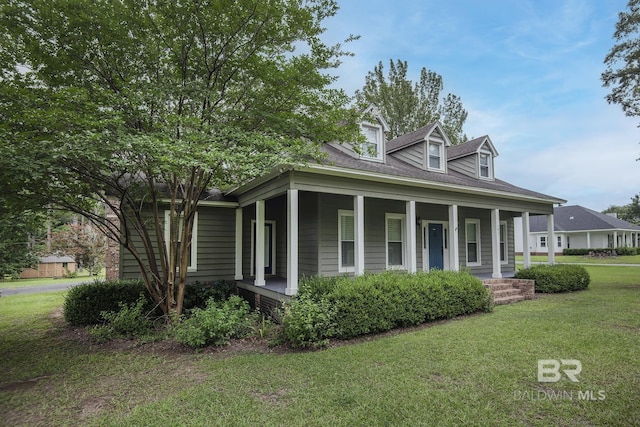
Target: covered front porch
<point>291,233</point>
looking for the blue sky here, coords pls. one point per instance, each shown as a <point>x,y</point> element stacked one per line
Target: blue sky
<point>528,72</point>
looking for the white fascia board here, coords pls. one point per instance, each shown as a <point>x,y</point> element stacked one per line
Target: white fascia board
<point>415,182</point>
<point>210,203</point>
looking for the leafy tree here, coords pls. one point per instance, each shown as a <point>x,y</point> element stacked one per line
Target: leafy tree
<point>17,248</point>
<point>143,106</point>
<point>81,241</point>
<point>408,106</point>
<point>629,213</point>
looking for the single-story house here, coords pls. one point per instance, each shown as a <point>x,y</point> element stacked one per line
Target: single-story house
<point>577,227</point>
<point>413,203</point>
<point>51,266</point>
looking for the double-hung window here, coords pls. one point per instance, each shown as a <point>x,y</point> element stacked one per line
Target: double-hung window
<point>395,240</point>
<point>543,241</point>
<point>435,156</point>
<point>193,248</point>
<point>346,241</point>
<point>372,147</point>
<point>485,165</point>
<point>503,242</point>
<point>472,236</point>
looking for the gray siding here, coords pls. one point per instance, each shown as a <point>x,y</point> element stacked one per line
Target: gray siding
<point>308,234</point>
<point>414,155</point>
<point>465,165</point>
<point>216,247</point>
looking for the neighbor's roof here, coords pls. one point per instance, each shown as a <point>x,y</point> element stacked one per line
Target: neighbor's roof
<point>52,259</point>
<point>578,218</point>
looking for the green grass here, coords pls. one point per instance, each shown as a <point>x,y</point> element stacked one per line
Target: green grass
<point>20,283</point>
<point>478,370</point>
<point>627,259</point>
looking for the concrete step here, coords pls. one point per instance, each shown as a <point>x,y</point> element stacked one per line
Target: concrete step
<point>508,300</point>
<point>499,286</point>
<point>506,293</point>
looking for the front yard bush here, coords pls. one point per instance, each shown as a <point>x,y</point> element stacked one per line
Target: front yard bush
<point>216,324</point>
<point>129,321</point>
<point>556,278</point>
<point>197,294</point>
<point>379,302</point>
<point>84,303</point>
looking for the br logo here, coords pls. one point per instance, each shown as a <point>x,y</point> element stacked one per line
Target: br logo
<point>549,370</point>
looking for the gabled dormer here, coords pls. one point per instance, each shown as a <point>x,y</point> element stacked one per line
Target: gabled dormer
<point>473,158</point>
<point>424,148</point>
<point>373,128</point>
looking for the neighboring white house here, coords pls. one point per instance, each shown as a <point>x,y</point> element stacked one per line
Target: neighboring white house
<point>579,228</point>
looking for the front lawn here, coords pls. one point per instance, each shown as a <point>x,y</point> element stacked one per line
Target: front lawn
<point>478,370</point>
<point>580,259</point>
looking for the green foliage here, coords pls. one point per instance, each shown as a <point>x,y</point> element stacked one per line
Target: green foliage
<point>621,74</point>
<point>556,278</point>
<point>17,250</point>
<point>346,308</point>
<point>111,98</point>
<point>308,322</point>
<point>197,294</point>
<point>127,322</point>
<point>600,251</point>
<point>629,213</point>
<point>407,106</point>
<point>84,303</point>
<point>216,324</point>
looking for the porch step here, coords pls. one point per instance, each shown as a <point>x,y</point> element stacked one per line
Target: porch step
<point>506,291</point>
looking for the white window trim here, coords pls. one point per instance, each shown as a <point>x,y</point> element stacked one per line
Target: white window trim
<point>443,160</point>
<point>478,242</point>
<point>559,241</point>
<point>506,242</point>
<point>489,164</point>
<point>543,242</point>
<point>341,269</point>
<point>402,218</point>
<point>380,146</point>
<point>193,267</point>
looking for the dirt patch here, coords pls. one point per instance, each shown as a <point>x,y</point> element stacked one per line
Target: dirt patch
<point>22,385</point>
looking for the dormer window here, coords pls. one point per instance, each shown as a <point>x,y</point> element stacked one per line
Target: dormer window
<point>436,154</point>
<point>372,148</point>
<point>485,169</point>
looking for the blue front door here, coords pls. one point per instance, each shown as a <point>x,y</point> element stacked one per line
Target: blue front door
<point>436,246</point>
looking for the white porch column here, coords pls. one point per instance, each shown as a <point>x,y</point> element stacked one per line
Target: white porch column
<point>588,240</point>
<point>238,273</point>
<point>358,218</point>
<point>615,239</point>
<point>411,236</point>
<point>454,254</point>
<point>292,242</point>
<point>495,243</point>
<point>526,248</point>
<point>259,239</point>
<point>550,240</point>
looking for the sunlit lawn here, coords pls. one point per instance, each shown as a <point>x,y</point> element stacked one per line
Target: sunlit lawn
<point>81,277</point>
<point>475,370</point>
<point>627,259</point>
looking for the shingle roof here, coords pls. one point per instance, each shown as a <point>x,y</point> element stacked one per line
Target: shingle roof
<point>396,167</point>
<point>410,138</point>
<point>578,218</point>
<point>465,148</point>
<point>52,259</point>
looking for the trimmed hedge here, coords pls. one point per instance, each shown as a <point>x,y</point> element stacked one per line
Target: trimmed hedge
<point>622,251</point>
<point>379,302</point>
<point>556,278</point>
<point>84,303</point>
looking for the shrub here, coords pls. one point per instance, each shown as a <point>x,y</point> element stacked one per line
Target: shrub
<point>216,324</point>
<point>556,278</point>
<point>84,303</point>
<point>128,322</point>
<point>346,308</point>
<point>197,294</point>
<point>307,322</point>
<point>625,251</point>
